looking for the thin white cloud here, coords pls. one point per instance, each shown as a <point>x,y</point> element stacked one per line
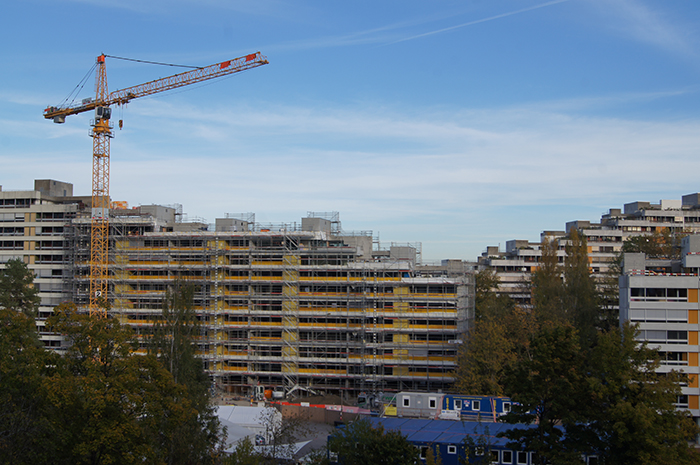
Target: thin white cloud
<point>650,25</point>
<point>392,33</point>
<point>479,21</point>
<point>460,168</point>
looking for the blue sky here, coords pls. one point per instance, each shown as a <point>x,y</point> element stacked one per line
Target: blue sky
<point>457,124</point>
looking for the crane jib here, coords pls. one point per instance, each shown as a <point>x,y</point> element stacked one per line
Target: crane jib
<point>123,96</point>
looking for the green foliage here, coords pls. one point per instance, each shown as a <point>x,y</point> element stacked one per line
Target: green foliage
<point>17,291</point>
<point>487,300</point>
<point>660,244</point>
<point>632,415</point>
<point>492,342</point>
<point>547,287</point>
<point>483,358</point>
<point>358,443</point>
<point>477,447</point>
<point>317,457</point>
<point>244,454</point>
<point>581,298</point>
<point>111,405</point>
<point>547,387</point>
<point>569,294</point>
<point>26,434</point>
<point>173,338</point>
<point>606,399</point>
<point>173,344</point>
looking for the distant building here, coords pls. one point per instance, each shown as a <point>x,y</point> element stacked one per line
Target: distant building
<point>661,296</point>
<point>305,307</point>
<point>515,265</point>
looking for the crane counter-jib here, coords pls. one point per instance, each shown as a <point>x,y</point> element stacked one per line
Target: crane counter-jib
<point>123,96</point>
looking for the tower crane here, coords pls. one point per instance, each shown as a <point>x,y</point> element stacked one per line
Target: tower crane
<point>101,134</point>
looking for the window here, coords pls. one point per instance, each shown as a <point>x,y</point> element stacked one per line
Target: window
<point>506,407</point>
<point>406,401</point>
<point>424,452</point>
<point>451,449</point>
<point>593,460</point>
<point>522,458</point>
<point>682,401</point>
<point>507,456</point>
<point>659,294</point>
<point>494,456</point>
<point>663,337</point>
<point>458,404</point>
<point>432,402</point>
<point>476,405</point>
<point>479,451</point>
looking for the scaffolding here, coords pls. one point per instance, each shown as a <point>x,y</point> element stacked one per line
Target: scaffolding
<point>298,310</point>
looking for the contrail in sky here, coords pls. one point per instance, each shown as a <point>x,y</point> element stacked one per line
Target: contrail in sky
<point>490,18</point>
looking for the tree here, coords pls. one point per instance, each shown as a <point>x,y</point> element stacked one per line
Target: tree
<point>359,443</point>
<point>111,405</point>
<point>606,400</point>
<point>487,301</point>
<point>547,389</point>
<point>581,298</point>
<point>26,433</point>
<point>547,288</point>
<point>173,344</point>
<point>281,433</point>
<point>481,360</point>
<point>632,413</point>
<point>243,454</point>
<point>493,342</point>
<point>662,243</point>
<point>17,291</point>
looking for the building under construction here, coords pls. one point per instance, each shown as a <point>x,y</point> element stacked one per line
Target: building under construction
<point>304,307</point>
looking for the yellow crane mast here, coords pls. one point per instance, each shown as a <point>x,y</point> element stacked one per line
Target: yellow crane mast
<point>102,133</point>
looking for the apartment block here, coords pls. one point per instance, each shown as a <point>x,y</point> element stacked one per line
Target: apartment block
<point>32,229</point>
<point>300,306</point>
<point>661,296</point>
<point>521,258</point>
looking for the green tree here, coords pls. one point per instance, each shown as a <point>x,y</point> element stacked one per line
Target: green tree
<point>173,343</point>
<point>359,443</point>
<point>662,243</point>
<point>632,413</point>
<point>497,334</point>
<point>26,433</point>
<point>17,291</point>
<point>109,404</point>
<point>546,288</point>
<point>488,302</point>
<point>477,446</point>
<point>581,297</point>
<point>481,360</point>
<point>243,454</point>
<point>547,388</point>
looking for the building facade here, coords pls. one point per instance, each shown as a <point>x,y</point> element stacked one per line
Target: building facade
<point>303,306</point>
<point>514,265</point>
<point>661,296</point>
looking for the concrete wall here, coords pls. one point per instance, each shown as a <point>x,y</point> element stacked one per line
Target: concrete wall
<point>53,188</point>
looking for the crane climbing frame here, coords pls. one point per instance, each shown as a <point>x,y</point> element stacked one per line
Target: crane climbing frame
<point>102,134</point>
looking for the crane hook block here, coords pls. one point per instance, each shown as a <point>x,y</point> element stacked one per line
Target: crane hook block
<point>121,123</point>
